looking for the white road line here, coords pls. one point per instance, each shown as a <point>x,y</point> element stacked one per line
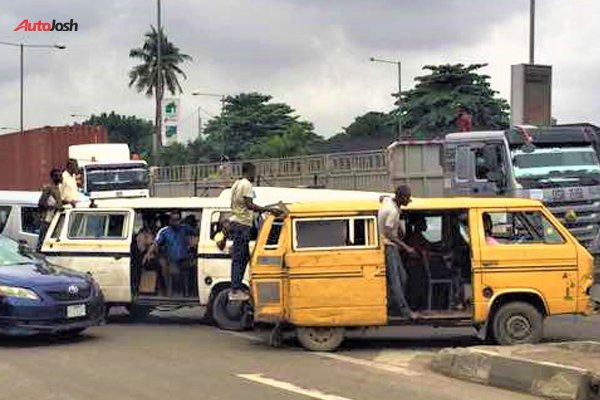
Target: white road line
<point>244,336</point>
<point>402,368</point>
<point>370,364</point>
<point>289,387</point>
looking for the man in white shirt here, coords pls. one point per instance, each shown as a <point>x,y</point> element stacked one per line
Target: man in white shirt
<point>68,187</point>
<point>388,221</point>
<point>240,226</point>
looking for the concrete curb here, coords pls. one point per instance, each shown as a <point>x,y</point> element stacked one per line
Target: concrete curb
<point>550,380</point>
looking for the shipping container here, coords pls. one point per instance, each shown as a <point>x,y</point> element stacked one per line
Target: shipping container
<point>27,158</point>
<point>417,163</point>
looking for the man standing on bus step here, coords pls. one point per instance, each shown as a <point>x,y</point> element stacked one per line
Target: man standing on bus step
<point>68,187</point>
<point>50,203</point>
<point>388,221</point>
<point>243,209</point>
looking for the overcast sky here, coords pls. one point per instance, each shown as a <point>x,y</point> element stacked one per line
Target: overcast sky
<point>312,54</point>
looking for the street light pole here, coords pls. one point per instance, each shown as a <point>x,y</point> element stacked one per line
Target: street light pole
<point>21,47</point>
<point>531,31</point>
<point>222,100</point>
<point>399,65</point>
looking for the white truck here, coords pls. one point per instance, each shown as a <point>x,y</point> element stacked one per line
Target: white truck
<point>109,171</point>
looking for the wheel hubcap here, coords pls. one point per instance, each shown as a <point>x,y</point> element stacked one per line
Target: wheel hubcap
<point>518,327</point>
<point>321,335</point>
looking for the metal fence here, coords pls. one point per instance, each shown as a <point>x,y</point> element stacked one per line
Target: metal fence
<point>368,170</point>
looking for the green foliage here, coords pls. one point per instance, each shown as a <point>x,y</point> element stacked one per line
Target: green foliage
<point>144,76</point>
<point>295,140</point>
<point>430,109</point>
<point>128,129</point>
<point>252,126</point>
<point>372,124</point>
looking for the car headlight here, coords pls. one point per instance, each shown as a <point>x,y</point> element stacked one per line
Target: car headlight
<point>18,292</point>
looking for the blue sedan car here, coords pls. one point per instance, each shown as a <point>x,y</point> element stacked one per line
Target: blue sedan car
<point>36,297</point>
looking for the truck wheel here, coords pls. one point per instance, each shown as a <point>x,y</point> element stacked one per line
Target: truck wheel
<point>138,313</point>
<point>320,338</point>
<point>517,323</point>
<point>228,315</point>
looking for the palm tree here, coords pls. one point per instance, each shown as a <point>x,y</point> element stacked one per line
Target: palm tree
<point>144,76</point>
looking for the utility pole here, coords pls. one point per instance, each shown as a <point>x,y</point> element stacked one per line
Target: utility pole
<point>158,135</point>
<point>21,106</point>
<point>531,32</point>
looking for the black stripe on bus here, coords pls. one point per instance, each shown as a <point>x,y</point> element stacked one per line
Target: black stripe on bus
<point>120,254</point>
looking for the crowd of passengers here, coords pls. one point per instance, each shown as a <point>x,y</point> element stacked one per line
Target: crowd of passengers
<point>167,245</point>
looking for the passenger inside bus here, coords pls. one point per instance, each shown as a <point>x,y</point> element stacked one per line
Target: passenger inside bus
<point>164,264</point>
<point>440,269</point>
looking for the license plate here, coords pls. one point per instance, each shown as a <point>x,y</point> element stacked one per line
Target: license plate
<point>76,311</point>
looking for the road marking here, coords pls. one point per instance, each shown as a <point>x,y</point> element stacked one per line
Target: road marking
<point>289,387</point>
<point>244,336</point>
<point>370,364</point>
<point>399,357</point>
<point>401,367</point>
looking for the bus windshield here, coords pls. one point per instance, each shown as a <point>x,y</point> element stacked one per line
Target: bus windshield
<point>557,164</point>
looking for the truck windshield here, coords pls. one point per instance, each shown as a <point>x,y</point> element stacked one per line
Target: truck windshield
<point>122,178</point>
<point>567,164</point>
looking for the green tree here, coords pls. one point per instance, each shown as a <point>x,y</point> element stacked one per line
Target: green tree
<point>134,131</point>
<point>295,140</point>
<point>175,154</point>
<point>430,109</point>
<point>144,76</point>
<point>372,124</point>
<point>249,120</point>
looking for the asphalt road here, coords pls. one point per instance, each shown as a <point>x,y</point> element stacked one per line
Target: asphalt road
<point>175,356</point>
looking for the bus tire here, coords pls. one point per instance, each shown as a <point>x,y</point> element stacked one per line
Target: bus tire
<point>138,313</point>
<point>228,315</point>
<point>320,338</point>
<point>517,323</point>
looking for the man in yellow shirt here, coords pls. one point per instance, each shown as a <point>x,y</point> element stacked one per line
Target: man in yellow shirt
<point>68,187</point>
<point>243,208</point>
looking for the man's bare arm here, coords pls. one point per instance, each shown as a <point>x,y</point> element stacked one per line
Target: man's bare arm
<point>392,235</point>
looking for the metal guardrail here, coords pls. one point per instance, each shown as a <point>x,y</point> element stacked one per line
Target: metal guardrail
<point>274,168</point>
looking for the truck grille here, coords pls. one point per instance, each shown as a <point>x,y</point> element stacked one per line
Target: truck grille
<point>585,225</point>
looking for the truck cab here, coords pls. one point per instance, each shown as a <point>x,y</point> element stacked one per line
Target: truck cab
<point>558,166</point>
<point>109,172</point>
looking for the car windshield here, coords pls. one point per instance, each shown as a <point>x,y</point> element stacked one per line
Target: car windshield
<point>9,253</point>
<point>556,163</point>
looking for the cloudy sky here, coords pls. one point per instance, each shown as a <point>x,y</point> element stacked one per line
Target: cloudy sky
<point>312,54</point>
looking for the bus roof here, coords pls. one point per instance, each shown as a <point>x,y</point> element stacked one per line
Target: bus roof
<point>423,203</point>
<point>266,195</point>
<point>19,197</point>
<point>160,202</point>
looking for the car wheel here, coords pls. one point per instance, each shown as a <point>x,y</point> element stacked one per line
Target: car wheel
<point>72,333</point>
<point>228,315</point>
<point>517,323</point>
<point>320,338</point>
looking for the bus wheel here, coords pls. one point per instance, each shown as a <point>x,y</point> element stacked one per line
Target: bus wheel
<point>138,313</point>
<point>320,338</point>
<point>517,323</point>
<point>228,315</point>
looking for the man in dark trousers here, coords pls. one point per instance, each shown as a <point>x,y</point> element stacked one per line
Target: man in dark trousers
<point>50,203</point>
<point>243,208</point>
<point>390,227</point>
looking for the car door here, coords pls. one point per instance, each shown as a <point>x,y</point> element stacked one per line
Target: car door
<point>97,241</point>
<point>523,250</point>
